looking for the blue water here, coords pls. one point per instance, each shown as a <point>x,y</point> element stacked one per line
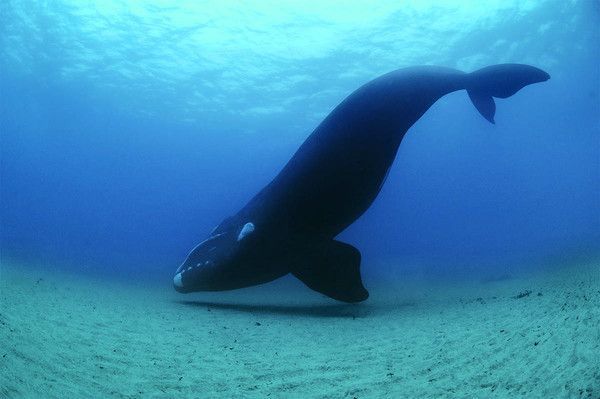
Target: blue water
<point>128,131</point>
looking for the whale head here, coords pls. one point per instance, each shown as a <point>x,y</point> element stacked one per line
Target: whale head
<point>226,260</point>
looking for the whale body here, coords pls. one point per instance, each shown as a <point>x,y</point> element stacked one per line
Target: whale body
<point>291,224</point>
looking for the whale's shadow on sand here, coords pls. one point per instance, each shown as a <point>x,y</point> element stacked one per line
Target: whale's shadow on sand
<point>340,310</point>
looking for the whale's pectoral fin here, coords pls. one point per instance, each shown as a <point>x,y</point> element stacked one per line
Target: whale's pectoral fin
<point>331,268</point>
<point>484,103</point>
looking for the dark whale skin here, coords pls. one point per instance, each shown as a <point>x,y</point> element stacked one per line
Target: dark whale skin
<point>333,178</point>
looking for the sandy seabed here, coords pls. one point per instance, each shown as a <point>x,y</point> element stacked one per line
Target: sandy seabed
<point>537,336</point>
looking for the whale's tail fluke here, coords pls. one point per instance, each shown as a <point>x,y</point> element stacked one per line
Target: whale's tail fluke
<point>501,81</point>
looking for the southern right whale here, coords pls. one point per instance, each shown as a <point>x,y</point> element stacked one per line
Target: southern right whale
<point>291,224</point>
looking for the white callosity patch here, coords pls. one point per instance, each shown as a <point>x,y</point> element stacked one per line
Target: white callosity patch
<point>177,280</point>
<point>247,229</point>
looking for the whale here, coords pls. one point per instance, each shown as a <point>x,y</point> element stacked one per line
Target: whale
<point>290,225</point>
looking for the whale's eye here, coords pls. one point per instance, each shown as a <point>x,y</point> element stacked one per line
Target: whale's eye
<point>246,230</point>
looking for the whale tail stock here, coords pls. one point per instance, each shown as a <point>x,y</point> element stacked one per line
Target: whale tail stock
<point>501,81</point>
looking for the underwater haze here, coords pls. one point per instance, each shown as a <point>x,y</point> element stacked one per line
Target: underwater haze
<point>129,130</point>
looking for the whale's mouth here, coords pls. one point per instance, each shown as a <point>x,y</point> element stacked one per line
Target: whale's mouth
<point>183,283</point>
<point>208,264</point>
<point>178,278</point>
<point>188,276</point>
<point>178,282</point>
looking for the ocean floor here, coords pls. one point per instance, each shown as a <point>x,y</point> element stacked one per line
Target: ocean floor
<point>65,336</point>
